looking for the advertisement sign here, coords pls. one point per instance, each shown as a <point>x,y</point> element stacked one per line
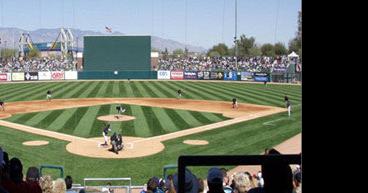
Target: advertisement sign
<point>230,75</point>
<point>30,76</point>
<point>177,75</point>
<point>71,75</point>
<point>44,75</point>
<point>18,76</point>
<point>246,76</point>
<point>163,75</point>
<point>3,77</point>
<point>57,75</point>
<point>9,76</point>
<point>261,77</point>
<point>217,75</point>
<point>190,75</point>
<point>206,75</point>
<point>200,75</point>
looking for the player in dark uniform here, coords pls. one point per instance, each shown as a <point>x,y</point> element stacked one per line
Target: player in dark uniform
<point>179,93</point>
<point>48,95</point>
<point>288,105</point>
<point>2,105</point>
<point>120,110</point>
<point>105,131</point>
<point>235,103</point>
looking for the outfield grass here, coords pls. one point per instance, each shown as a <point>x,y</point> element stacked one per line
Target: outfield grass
<point>249,137</point>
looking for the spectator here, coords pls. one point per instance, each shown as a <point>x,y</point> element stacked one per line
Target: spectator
<point>242,183</point>
<point>2,165</point>
<point>226,181</point>
<point>169,184</point>
<point>153,185</point>
<point>46,184</point>
<point>191,182</point>
<point>69,184</point>
<point>201,185</point>
<point>297,182</point>
<point>15,183</point>
<point>215,181</point>
<point>32,180</point>
<point>277,177</point>
<point>59,186</point>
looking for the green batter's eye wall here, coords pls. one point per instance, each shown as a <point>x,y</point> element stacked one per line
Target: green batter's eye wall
<point>117,53</point>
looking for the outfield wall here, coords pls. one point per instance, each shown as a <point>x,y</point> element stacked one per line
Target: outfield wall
<point>282,77</point>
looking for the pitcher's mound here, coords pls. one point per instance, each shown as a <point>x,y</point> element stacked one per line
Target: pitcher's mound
<point>196,142</point>
<point>35,143</point>
<point>115,118</point>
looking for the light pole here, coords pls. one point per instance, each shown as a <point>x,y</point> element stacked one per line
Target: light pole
<point>235,37</point>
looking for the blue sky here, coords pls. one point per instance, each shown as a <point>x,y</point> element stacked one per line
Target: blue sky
<point>208,21</point>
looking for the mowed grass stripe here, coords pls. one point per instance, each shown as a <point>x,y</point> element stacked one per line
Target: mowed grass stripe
<point>200,117</point>
<point>77,92</point>
<point>60,121</point>
<point>22,118</point>
<point>189,90</point>
<point>179,121</point>
<point>7,89</point>
<point>257,95</point>
<point>35,91</point>
<point>98,125</point>
<point>42,95</point>
<point>166,121</point>
<point>135,90</point>
<point>129,90</point>
<point>45,123</point>
<point>154,123</point>
<point>88,91</point>
<point>246,96</point>
<point>189,118</point>
<point>86,122</point>
<point>73,121</point>
<point>158,85</point>
<point>38,118</point>
<point>20,95</point>
<point>116,89</point>
<point>144,92</point>
<point>124,92</point>
<point>70,87</point>
<point>140,122</point>
<point>127,127</point>
<point>172,89</point>
<point>275,94</point>
<point>150,89</point>
<point>109,92</point>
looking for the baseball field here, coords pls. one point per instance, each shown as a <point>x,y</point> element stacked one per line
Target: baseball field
<point>159,124</point>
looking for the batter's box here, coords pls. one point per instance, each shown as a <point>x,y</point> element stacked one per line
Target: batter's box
<point>129,145</point>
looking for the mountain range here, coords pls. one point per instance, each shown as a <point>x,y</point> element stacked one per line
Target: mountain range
<point>10,37</point>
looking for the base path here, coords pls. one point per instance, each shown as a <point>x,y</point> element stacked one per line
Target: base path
<point>134,147</point>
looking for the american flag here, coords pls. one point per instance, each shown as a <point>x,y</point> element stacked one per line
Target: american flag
<point>108,29</point>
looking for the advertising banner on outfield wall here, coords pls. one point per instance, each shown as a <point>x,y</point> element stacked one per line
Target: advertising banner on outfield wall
<point>71,75</point>
<point>206,75</point>
<point>163,75</point>
<point>30,76</point>
<point>217,75</point>
<point>190,75</point>
<point>200,75</point>
<point>177,75</point>
<point>57,75</point>
<point>230,75</point>
<point>246,75</point>
<point>261,77</point>
<point>3,77</point>
<point>44,75</point>
<point>18,76</point>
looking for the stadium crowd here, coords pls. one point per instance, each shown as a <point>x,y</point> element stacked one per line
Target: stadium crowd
<point>278,178</point>
<point>36,65</point>
<point>251,64</point>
